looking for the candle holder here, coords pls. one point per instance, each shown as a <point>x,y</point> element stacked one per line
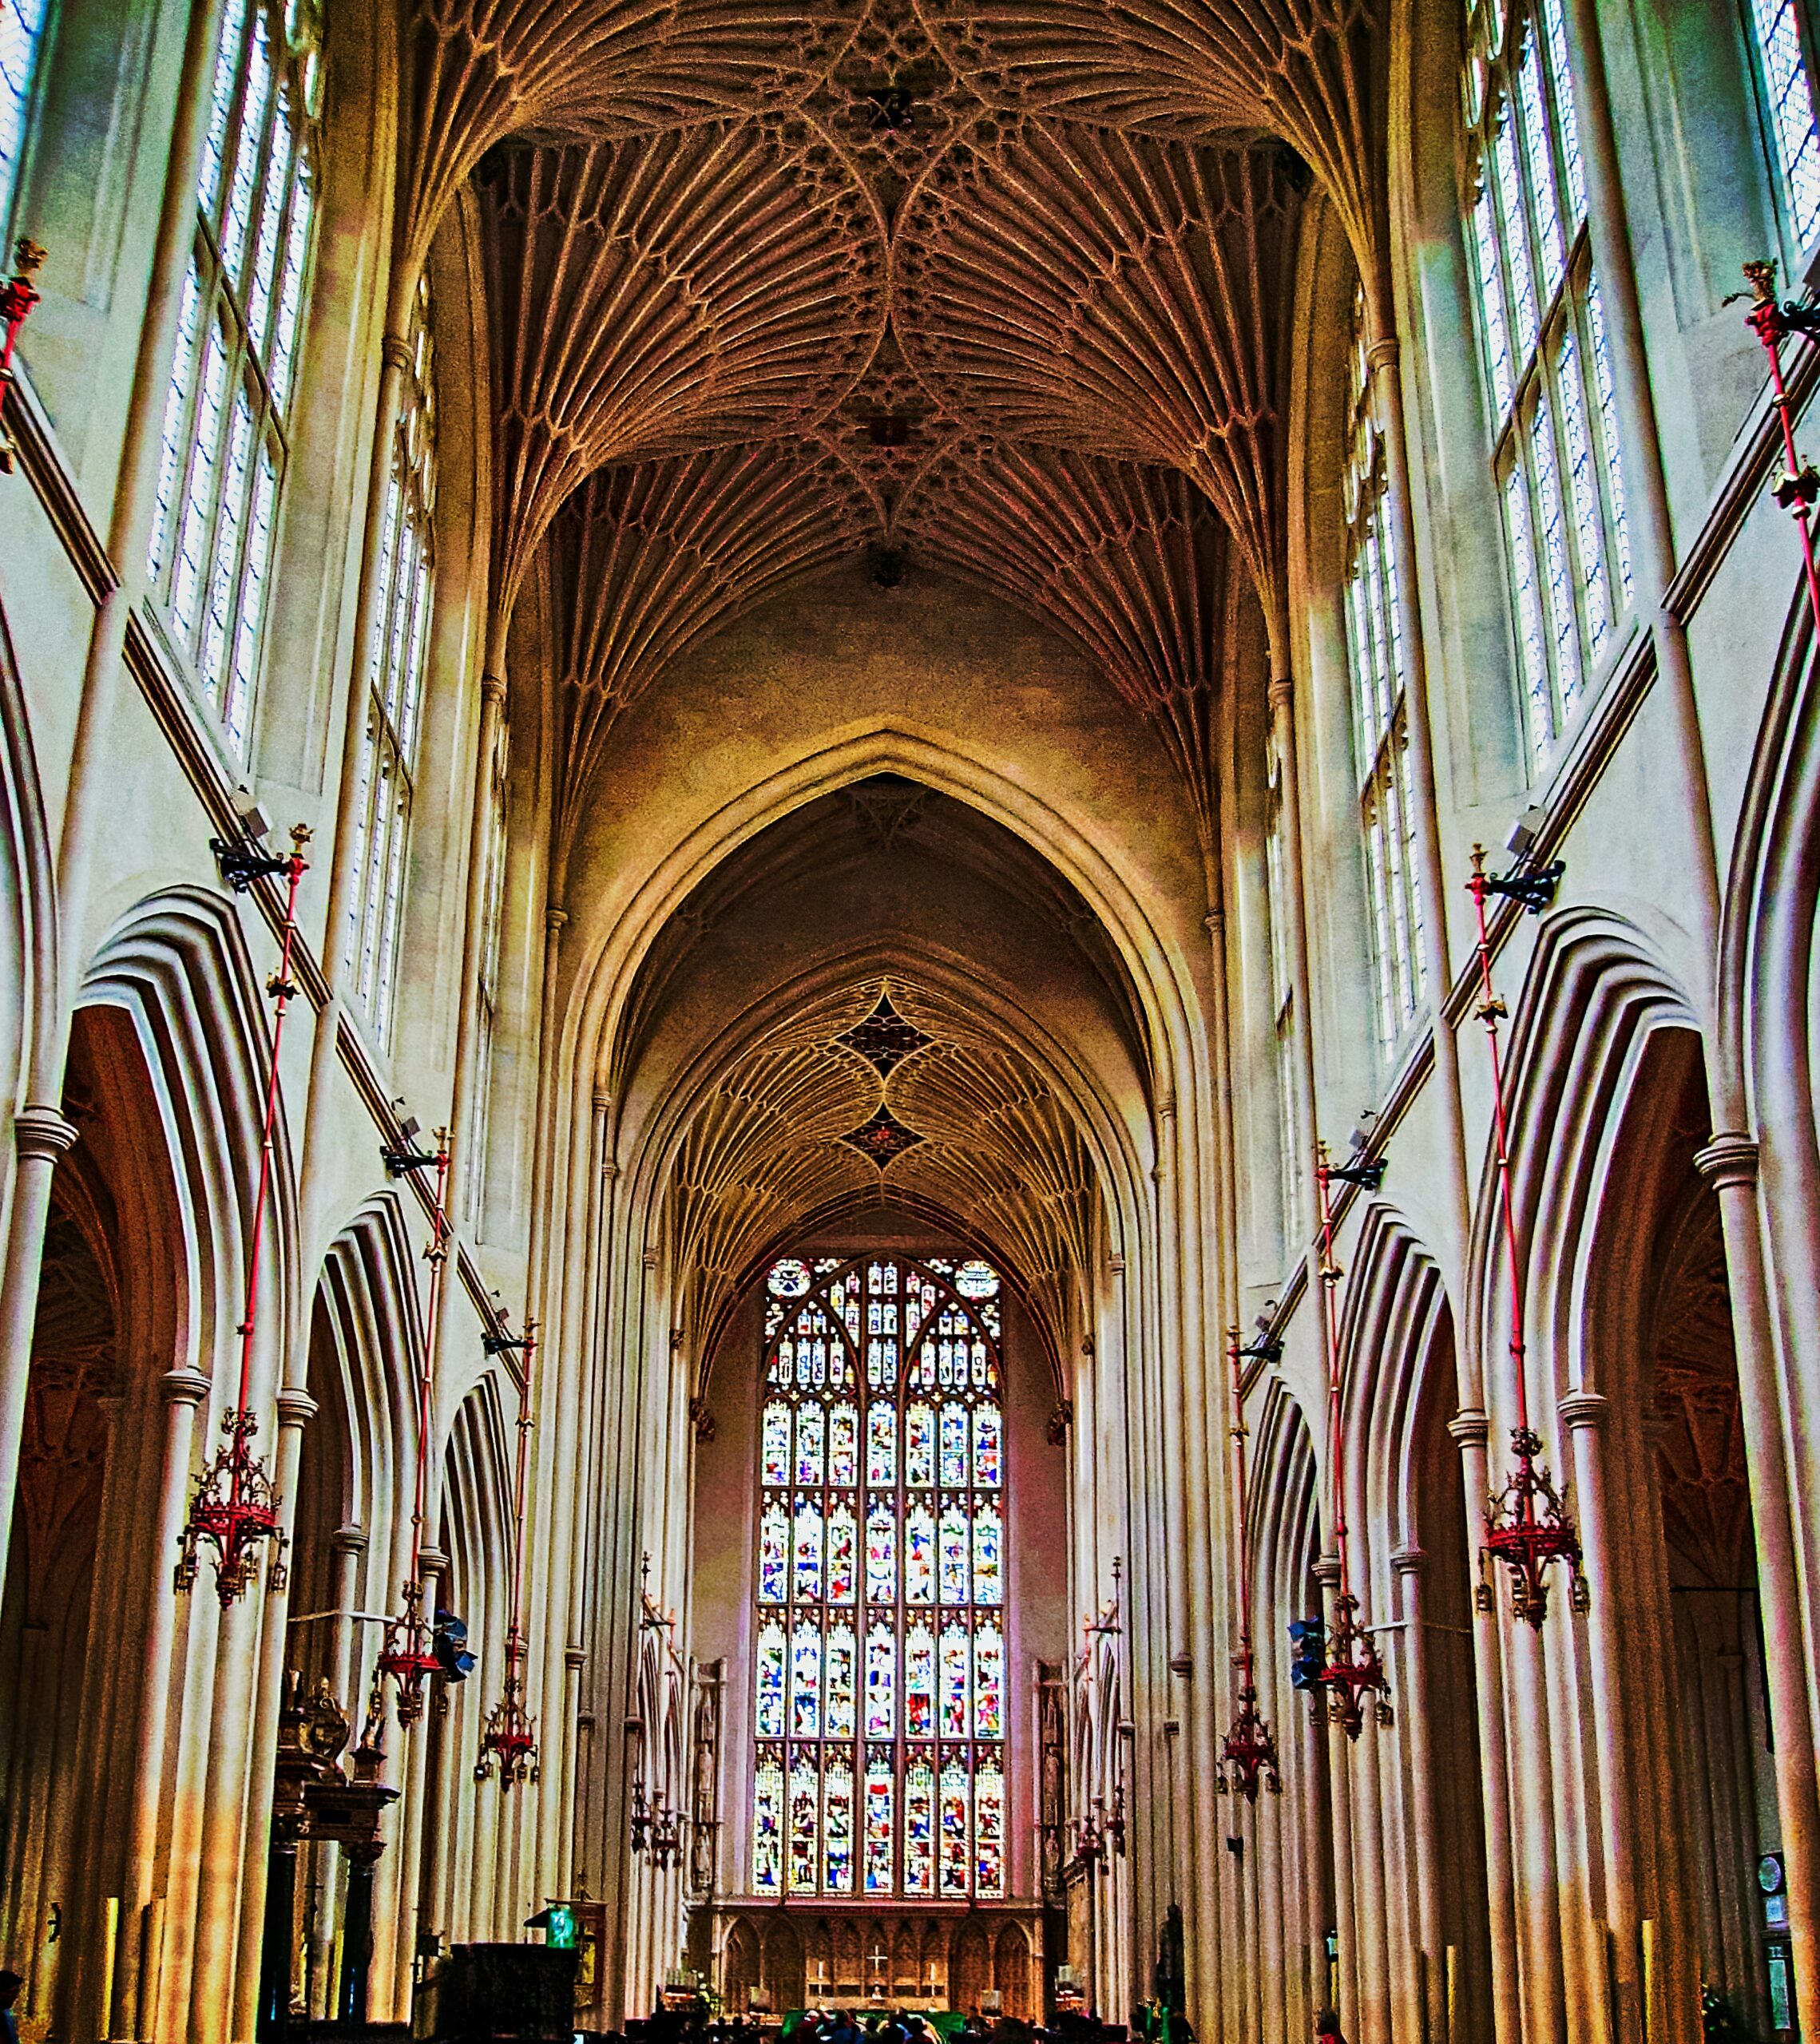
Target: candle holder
<point>508,1743</point>
<point>18,297</point>
<point>406,1659</point>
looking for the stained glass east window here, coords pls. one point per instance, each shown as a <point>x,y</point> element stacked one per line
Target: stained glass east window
<point>879,1702</point>
<point>22,38</point>
<point>1547,367</point>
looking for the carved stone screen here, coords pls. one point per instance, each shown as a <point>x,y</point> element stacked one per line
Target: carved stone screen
<point>879,1703</point>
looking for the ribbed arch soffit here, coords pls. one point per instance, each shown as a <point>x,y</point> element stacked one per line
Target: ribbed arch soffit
<point>977,1131</point>
<point>478,71</point>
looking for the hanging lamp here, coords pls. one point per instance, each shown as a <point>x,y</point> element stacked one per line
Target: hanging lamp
<point>1352,1670</point>
<point>1529,1528</point>
<point>1798,485</point>
<point>407,1657</point>
<point>235,1508</point>
<point>1247,1753</point>
<point>508,1743</point>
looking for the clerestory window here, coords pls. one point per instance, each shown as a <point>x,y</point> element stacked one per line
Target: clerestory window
<point>1380,721</point>
<point>226,428</point>
<point>21,40</point>
<point>1784,78</point>
<point>1547,365</point>
<point>395,663</point>
<point>1289,1161</point>
<point>879,1625</point>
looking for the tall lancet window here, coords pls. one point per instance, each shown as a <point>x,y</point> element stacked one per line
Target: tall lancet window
<point>879,1702</point>
<point>1290,1160</point>
<point>226,418</point>
<point>394,672</point>
<point>1548,368</point>
<point>1788,105</point>
<point>1375,651</point>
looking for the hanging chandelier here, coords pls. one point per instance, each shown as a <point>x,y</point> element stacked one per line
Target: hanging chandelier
<point>234,1510</point>
<point>1797,487</point>
<point>1529,1528</point>
<point>18,297</point>
<point>1351,1669</point>
<point>1247,1753</point>
<point>408,1658</point>
<point>509,1741</point>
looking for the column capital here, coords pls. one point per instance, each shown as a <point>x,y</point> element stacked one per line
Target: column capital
<point>39,1131</point>
<point>184,1386</point>
<point>1470,1427</point>
<point>430,1561</point>
<point>1326,1571</point>
<point>348,1540</point>
<point>554,919</point>
<point>492,688</point>
<point>295,1407</point>
<point>1408,1561</point>
<point>394,352</point>
<point>575,1657</point>
<point>1728,1158</point>
<point>1384,353</point>
<point>1584,1408</point>
<point>1282,692</point>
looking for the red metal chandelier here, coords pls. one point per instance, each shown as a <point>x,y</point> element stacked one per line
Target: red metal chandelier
<point>235,1508</point>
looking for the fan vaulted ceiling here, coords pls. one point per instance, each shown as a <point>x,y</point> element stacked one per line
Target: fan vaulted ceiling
<point>996,288</point>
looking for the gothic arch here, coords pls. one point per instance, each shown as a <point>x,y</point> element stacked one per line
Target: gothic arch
<point>28,906</point>
<point>178,965</point>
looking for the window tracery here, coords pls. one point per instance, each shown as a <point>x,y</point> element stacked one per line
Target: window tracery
<point>394,672</point>
<point>1375,644</point>
<point>225,435</point>
<point>22,39</point>
<point>1547,364</point>
<point>879,1704</point>
<point>1788,94</point>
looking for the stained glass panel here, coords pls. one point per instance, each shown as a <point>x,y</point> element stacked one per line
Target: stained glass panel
<point>919,1828</point>
<point>880,1783</point>
<point>988,1682</point>
<point>842,1539</point>
<point>864,1678</point>
<point>954,1841</point>
<point>837,1822</point>
<point>767,1826</point>
<point>775,1468</point>
<point>805,1681</point>
<point>774,1566</point>
<point>770,1682</point>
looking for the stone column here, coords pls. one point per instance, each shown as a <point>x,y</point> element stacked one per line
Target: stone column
<point>1728,1163</point>
<point>41,1136</point>
<point>134,1990</point>
<point>296,1410</point>
<point>1339,1800</point>
<point>1584,1413</point>
<point>341,1662</point>
<point>1431,2019</point>
<point>412,1815</point>
<point>1471,1430</point>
